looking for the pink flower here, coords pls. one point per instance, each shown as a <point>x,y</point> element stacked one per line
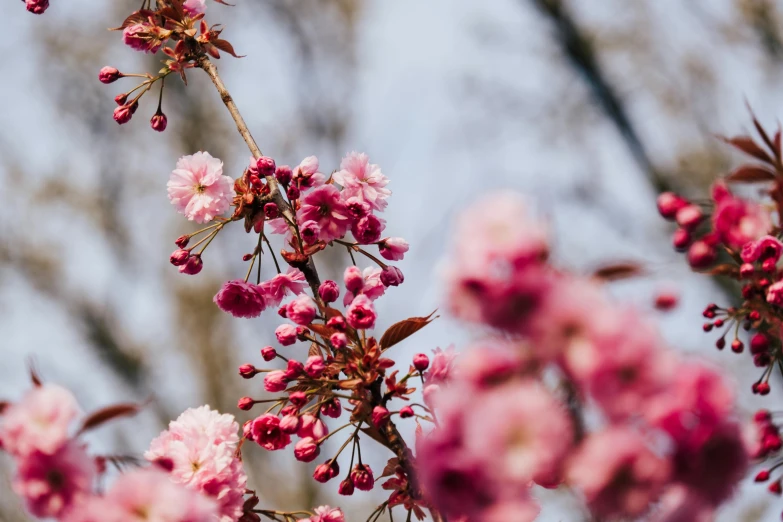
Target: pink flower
<point>306,450</point>
<point>360,314</point>
<point>274,290</point>
<point>618,474</point>
<point>306,174</point>
<point>775,294</point>
<point>393,248</point>
<point>362,477</point>
<point>40,422</point>
<point>141,37</point>
<point>767,247</point>
<point>199,189</point>
<point>312,427</point>
<point>488,364</point>
<point>380,416</point>
<point>195,7</point>
<point>441,365</point>
<point>275,381</point>
<point>149,495</point>
<point>326,514</point>
<point>737,221</point>
<point>323,205</point>
<point>50,484</point>
<point>202,446</point>
<point>369,283</point>
<point>310,232</point>
<point>240,299</point>
<point>392,276</point>
<point>314,366</point>
<point>37,6</point>
<point>267,433</point>
<point>368,229</point>
<point>363,180</point>
<point>286,334</point>
<point>329,291</point>
<point>301,310</point>
<point>109,74</point>
<point>357,208</point>
<point>521,432</point>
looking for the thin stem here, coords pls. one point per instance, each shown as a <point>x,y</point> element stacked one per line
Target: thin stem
<point>274,258</point>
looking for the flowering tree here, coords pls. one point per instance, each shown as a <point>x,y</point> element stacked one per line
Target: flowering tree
<point>565,388</point>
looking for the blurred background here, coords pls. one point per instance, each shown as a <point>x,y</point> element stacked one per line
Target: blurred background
<point>590,107</point>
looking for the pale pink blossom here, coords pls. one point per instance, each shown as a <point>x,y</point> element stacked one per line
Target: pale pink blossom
<point>292,281</point>
<point>441,365</point>
<point>618,474</point>
<point>241,299</point>
<point>360,314</point>
<point>40,422</point>
<point>202,445</point>
<point>301,310</point>
<point>393,248</point>
<point>363,180</point>
<point>195,7</point>
<point>51,484</point>
<point>324,206</point>
<point>523,509</point>
<point>306,175</point>
<point>370,284</point>
<point>492,362</point>
<point>149,495</point>
<point>326,514</point>
<point>199,189</point>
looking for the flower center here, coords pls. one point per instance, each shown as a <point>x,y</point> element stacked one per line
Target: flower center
<point>200,188</point>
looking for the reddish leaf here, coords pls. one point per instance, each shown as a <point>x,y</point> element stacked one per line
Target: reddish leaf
<point>777,141</point>
<point>748,146</point>
<point>349,384</point>
<point>332,312</point>
<point>34,374</point>
<point>134,18</point>
<point>725,269</point>
<point>404,329</point>
<point>224,3</point>
<point>314,350</point>
<point>224,46</point>
<point>751,174</point>
<point>108,413</point>
<point>618,271</point>
<point>391,467</point>
<point>322,330</point>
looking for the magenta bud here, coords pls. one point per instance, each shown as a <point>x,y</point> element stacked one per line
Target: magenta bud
<point>293,193</point>
<point>109,75</point>
<point>159,122</point>
<point>182,241</point>
<point>759,343</point>
<point>421,362</point>
<point>392,276</point>
<point>338,340</point>
<point>337,322</point>
<point>329,291</point>
<point>247,371</point>
<point>123,114</point>
<point>179,257</point>
<point>701,254</point>
<point>245,403</point>
<point>669,203</point>
<point>271,211</point>
<point>120,99</point>
<point>406,412</point>
<point>762,476</point>
<point>689,216</point>
<point>268,353</point>
<point>265,166</point>
<point>283,174</point>
<point>193,266</point>
<point>379,416</point>
<point>247,257</point>
<point>681,239</point>
<point>346,487</point>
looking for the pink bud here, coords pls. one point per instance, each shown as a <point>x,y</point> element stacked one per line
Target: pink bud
<point>294,370</point>
<point>123,114</point>
<point>332,408</point>
<point>669,203</point>
<point>245,403</point>
<point>37,6</point>
<point>323,473</point>
<point>265,166</point>
<point>182,241</point>
<point>109,75</point>
<point>763,389</point>
<point>286,334</point>
<point>306,450</point>
<point>346,487</point>
<point>747,270</point>
<point>338,340</point>
<point>367,229</point>
<point>354,281</point>
<point>666,301</point>
<point>301,310</point>
<point>762,476</point>
<point>247,371</point>
<point>406,412</point>
<point>701,255</point>
<point>380,416</point>
<point>312,427</point>
<point>737,346</point>
<point>337,322</point>
<point>762,416</point>
<point>275,381</point>
<point>290,423</point>
<point>421,362</point>
<point>298,399</point>
<point>314,366</point>
<point>271,211</point>
<point>179,257</point>
<point>193,266</point>
<point>120,99</point>
<point>283,174</point>
<point>759,343</point>
<point>769,265</point>
<point>310,232</point>
<point>362,477</point>
<point>159,121</point>
<point>293,193</point>
<point>329,291</point>
<point>360,313</point>
<point>268,353</point>
<point>393,248</point>
<point>392,276</point>
<point>689,216</point>
<point>681,239</point>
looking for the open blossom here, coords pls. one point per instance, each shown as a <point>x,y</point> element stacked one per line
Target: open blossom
<point>618,474</point>
<point>274,290</point>
<point>240,299</point>
<point>202,445</point>
<point>199,189</point>
<point>195,7</point>
<point>360,314</point>
<point>40,422</point>
<point>441,365</point>
<point>367,283</point>
<point>301,310</point>
<point>141,38</point>
<point>767,247</point>
<point>324,206</point>
<point>306,174</point>
<point>326,514</point>
<point>368,229</point>
<point>268,434</point>
<point>363,180</point>
<point>149,495</point>
<point>51,484</point>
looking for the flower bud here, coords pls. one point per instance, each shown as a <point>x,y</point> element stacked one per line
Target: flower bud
<point>298,399</point>
<point>275,381</point>
<point>701,254</point>
<point>332,408</point>
<point>379,416</point>
<point>109,75</point>
<point>737,346</point>
<point>337,322</point>
<point>268,353</point>
<point>123,114</point>
<point>669,203</point>
<point>245,403</point>
<point>314,366</point>
<point>283,174</point>
<point>362,477</point>
<point>421,362</point>
<point>312,427</point>
<point>120,99</point>
<point>346,487</point>
<point>294,370</point>
<point>286,334</point>
<point>290,423</point>
<point>247,371</point>
<point>159,121</point>
<point>179,257</point>
<point>301,310</point>
<point>329,291</point>
<point>310,232</point>
<point>392,276</point>
<point>182,241</point>
<point>306,450</point>
<point>759,343</point>
<point>293,193</point>
<point>393,248</point>
<point>762,476</point>
<point>681,239</point>
<point>666,301</point>
<point>271,211</point>
<point>763,389</point>
<point>747,270</point>
<point>367,229</point>
<point>689,216</point>
<point>406,412</point>
<point>338,340</point>
<point>193,266</point>
<point>354,281</point>
<point>265,166</point>
<point>323,473</point>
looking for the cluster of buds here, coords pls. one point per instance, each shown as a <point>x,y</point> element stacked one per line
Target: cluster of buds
<point>177,29</point>
<point>768,443</point>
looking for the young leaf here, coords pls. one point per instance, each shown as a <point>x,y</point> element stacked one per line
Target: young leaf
<point>751,174</point>
<point>404,329</point>
<point>618,271</point>
<point>108,413</point>
<point>748,146</point>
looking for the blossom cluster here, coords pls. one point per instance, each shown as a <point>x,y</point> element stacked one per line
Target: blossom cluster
<point>666,424</point>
